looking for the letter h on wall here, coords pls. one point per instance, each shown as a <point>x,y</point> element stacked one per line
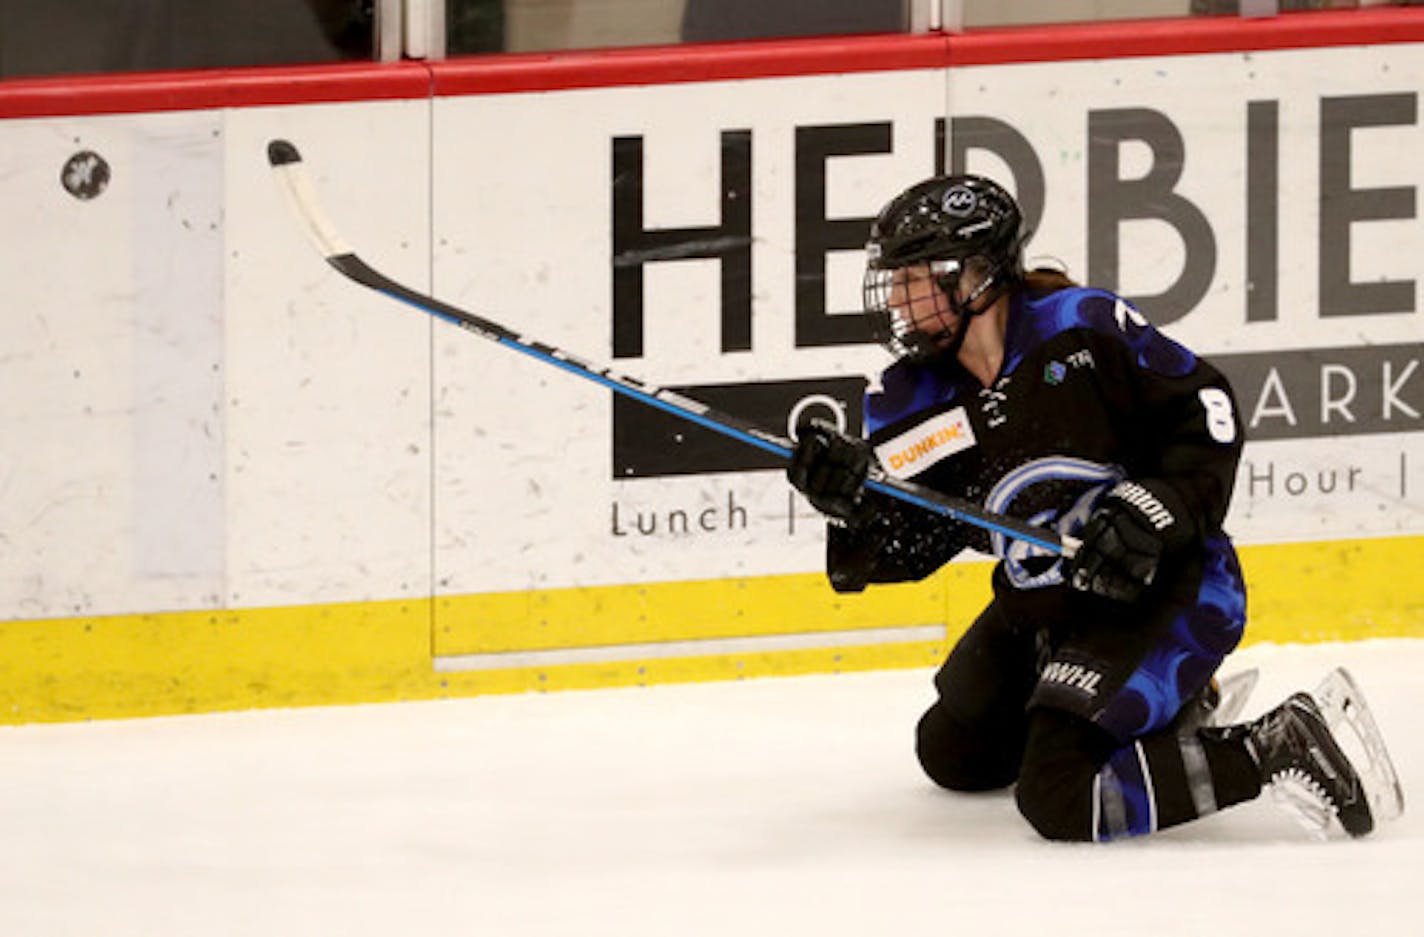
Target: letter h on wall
<point>730,241</point>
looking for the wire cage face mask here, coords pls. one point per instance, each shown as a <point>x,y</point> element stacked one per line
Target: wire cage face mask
<point>912,310</point>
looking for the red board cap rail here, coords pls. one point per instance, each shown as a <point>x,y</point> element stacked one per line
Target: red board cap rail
<point>521,72</point>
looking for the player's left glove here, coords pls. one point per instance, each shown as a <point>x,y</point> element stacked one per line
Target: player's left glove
<point>1122,545</point>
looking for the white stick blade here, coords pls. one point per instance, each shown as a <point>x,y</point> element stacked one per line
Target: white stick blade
<point>291,173</point>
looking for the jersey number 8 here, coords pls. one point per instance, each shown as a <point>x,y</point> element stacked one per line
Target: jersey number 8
<point>1220,420</point>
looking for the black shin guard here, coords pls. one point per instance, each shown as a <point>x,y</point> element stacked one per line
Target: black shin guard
<point>1078,784</point>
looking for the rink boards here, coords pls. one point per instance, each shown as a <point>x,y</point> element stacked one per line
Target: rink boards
<point>245,482</point>
<point>179,662</point>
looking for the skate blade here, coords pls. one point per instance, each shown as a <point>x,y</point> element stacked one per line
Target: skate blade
<point>1343,705</point>
<point>1233,691</point>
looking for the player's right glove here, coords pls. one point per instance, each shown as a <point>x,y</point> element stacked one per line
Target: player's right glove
<point>1124,541</point>
<point>830,469</point>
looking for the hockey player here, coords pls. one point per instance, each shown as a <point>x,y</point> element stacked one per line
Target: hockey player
<point>1083,679</point>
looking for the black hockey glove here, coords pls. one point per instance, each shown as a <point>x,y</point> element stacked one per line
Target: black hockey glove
<point>830,468</point>
<point>1123,543</point>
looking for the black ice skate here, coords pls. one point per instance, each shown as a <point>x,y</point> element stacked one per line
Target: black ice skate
<point>1348,715</point>
<point>1309,774</point>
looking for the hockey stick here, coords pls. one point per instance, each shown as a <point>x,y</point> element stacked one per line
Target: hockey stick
<point>286,163</point>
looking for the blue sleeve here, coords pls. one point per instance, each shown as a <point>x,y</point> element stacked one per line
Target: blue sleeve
<point>1179,403</point>
<point>904,389</point>
<point>1111,315</point>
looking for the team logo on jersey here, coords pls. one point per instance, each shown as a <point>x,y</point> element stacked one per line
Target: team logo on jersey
<point>938,438</point>
<point>1056,372</point>
<point>1028,566</point>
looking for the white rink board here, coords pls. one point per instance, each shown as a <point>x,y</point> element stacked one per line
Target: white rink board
<point>1302,490</point>
<point>111,382</point>
<point>202,414</point>
<point>330,419</point>
<point>570,518</point>
<point>1206,99</point>
<point>523,489</point>
<point>212,419</point>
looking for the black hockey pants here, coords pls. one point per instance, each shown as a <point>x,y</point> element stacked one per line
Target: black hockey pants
<point>1074,780</point>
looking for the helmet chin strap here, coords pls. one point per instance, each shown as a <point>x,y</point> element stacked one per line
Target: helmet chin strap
<point>966,312</point>
<point>950,348</point>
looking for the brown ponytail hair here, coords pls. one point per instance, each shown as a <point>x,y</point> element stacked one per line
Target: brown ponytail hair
<point>1040,281</point>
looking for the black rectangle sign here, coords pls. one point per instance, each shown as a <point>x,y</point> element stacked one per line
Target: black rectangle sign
<point>1323,392</point>
<point>648,442</point>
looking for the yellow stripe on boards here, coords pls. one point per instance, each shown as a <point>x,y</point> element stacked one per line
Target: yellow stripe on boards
<point>682,611</point>
<point>184,662</point>
<point>925,654</point>
<point>1343,590</point>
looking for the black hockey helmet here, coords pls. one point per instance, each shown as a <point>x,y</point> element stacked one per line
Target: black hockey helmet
<point>949,224</point>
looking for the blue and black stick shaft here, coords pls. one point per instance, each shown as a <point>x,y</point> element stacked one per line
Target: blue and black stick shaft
<point>286,162</point>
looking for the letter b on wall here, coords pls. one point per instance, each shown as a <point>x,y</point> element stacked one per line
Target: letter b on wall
<point>1113,199</point>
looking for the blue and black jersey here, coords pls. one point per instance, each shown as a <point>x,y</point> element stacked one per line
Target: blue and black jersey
<point>1089,394</point>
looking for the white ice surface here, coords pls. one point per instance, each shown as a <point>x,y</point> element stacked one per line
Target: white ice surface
<point>786,807</point>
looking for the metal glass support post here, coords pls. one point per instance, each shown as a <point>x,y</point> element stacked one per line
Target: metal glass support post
<point>425,29</point>
<point>932,16</point>
<point>1260,7</point>
<point>919,15</point>
<point>951,15</point>
<point>387,42</point>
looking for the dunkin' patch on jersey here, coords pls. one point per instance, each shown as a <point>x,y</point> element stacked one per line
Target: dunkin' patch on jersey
<point>917,449</point>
